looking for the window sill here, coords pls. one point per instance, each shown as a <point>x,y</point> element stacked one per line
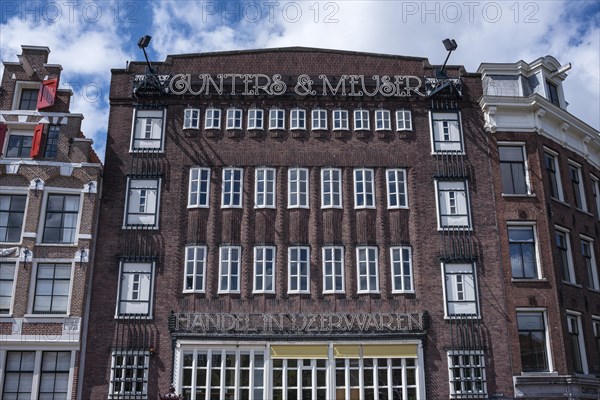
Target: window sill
<point>525,195</point>
<point>298,207</point>
<point>559,201</point>
<point>593,290</point>
<point>529,280</point>
<point>133,316</point>
<point>56,244</point>
<point>45,317</point>
<point>195,207</point>
<point>584,212</point>
<point>576,285</point>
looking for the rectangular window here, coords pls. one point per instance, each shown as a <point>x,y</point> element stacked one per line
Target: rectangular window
<point>552,94</point>
<point>565,257</point>
<point>333,269</point>
<point>402,275</point>
<point>403,120</point>
<point>364,188</point>
<point>229,273</point>
<point>264,269</point>
<point>523,253</point>
<point>265,188</point>
<point>596,326</point>
<point>7,281</point>
<point>298,269</point>
<point>467,374</point>
<point>513,170</point>
<point>298,188</point>
<point>12,212</point>
<point>62,213</point>
<point>446,132</point>
<point>533,341</point>
<point>297,119</point>
<point>232,188</point>
<point>234,118</point>
<point>589,260</point>
<point>142,202</point>
<point>52,285</point>
<point>255,118</point>
<point>276,119</point>
<point>340,120</point>
<point>19,144</point>
<point>148,130</point>
<point>383,120</point>
<point>28,100</point>
<point>195,269</point>
<point>319,119</point>
<point>460,290</point>
<point>191,118</point>
<point>52,141</point>
<point>54,377</point>
<point>199,189</point>
<point>18,374</point>
<point>396,188</point>
<point>331,188</point>
<point>129,375</point>
<point>551,164</point>
<point>367,266</point>
<point>577,187</point>
<point>361,120</point>
<point>212,118</point>
<point>596,194</point>
<point>453,204</point>
<point>576,344</point>
<point>135,289</point>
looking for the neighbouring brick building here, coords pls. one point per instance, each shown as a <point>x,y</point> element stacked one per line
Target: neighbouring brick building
<point>49,186</point>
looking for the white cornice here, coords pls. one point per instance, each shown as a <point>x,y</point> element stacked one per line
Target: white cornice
<point>29,113</point>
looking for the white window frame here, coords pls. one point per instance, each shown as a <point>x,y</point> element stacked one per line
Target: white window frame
<point>234,119</point>
<point>191,118</point>
<point>574,315</point>
<point>570,266</point>
<point>520,145</point>
<point>34,294</point>
<point>397,189</point>
<point>125,354</point>
<point>194,267</point>
<point>543,312</point>
<point>383,120</point>
<point>332,263</point>
<point>140,119</point>
<point>593,280</point>
<point>557,178</point>
<point>596,331</point>
<point>580,185</point>
<point>20,133</point>
<point>404,120</point>
<point>147,297</point>
<point>142,207</point>
<point>227,273</point>
<point>212,118</point>
<point>361,120</point>
<point>469,376</point>
<point>340,117</point>
<point>232,192</point>
<point>302,180</point>
<point>276,119</point>
<point>262,261</point>
<point>368,188</point>
<point>19,86</point>
<point>531,225</point>
<point>44,215</point>
<point>450,273</point>
<point>367,251</point>
<point>256,118</point>
<point>336,188</point>
<point>596,193</point>
<point>452,201</point>
<point>195,196</point>
<point>298,277</point>
<point>10,192</point>
<point>319,119</point>
<point>297,119</point>
<point>269,187</point>
<point>444,137</point>
<point>400,259</point>
<point>10,293</point>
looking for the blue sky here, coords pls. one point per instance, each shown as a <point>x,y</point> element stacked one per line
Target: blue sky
<point>90,37</point>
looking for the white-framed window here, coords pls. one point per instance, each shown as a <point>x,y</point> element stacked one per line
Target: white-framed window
<point>199,189</point>
<point>513,169</point>
<point>229,271</point>
<point>331,188</point>
<point>276,118</point>
<point>298,188</point>
<point>129,374</point>
<point>12,213</point>
<point>136,289</point>
<point>403,120</point>
<point>264,188</point>
<point>361,120</point>
<point>299,269</point>
<point>367,269</point>
<point>194,279</point>
<point>7,286</point>
<point>402,271</point>
<point>28,98</point>
<point>589,261</point>
<point>234,118</point>
<point>596,194</point>
<point>383,120</point>
<point>596,327</point>
<point>533,340</point>
<point>297,119</point>
<point>453,204</point>
<point>333,269</point>
<point>319,119</point>
<point>52,287</point>
<point>143,202</point>
<point>61,219</point>
<point>18,143</point>
<point>340,120</point>
<point>148,130</point>
<point>364,188</point>
<point>191,118</point>
<point>460,290</point>
<point>396,188</point>
<point>576,180</point>
<point>264,269</point>
<point>232,188</point>
<point>212,118</point>
<point>522,241</point>
<point>446,132</point>
<point>553,171</point>
<point>552,93</point>
<point>565,255</point>
<point>467,374</point>
<point>576,343</point>
<point>256,118</point>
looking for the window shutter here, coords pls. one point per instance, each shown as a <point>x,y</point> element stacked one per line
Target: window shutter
<point>3,130</point>
<point>38,131</point>
<point>47,93</point>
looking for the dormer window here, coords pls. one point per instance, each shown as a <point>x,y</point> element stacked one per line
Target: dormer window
<point>28,100</point>
<point>552,93</point>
